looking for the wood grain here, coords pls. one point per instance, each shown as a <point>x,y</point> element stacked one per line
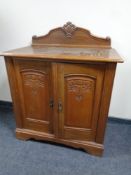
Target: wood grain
<point>66,54</point>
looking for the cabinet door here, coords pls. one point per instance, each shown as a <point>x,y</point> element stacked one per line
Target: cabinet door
<point>80,88</point>
<point>34,86</point>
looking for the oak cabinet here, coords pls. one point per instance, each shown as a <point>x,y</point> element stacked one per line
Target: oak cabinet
<point>61,87</point>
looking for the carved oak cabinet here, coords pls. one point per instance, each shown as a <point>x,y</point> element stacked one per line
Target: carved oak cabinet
<point>61,87</point>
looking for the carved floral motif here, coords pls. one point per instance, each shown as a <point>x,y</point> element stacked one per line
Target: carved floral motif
<point>69,28</point>
<point>34,81</point>
<point>79,87</point>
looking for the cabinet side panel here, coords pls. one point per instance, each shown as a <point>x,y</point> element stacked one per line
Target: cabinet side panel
<point>105,101</point>
<point>14,91</point>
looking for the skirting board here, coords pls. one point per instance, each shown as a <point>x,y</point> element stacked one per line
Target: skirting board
<point>8,105</point>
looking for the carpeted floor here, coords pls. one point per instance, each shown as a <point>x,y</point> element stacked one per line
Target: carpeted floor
<point>40,158</point>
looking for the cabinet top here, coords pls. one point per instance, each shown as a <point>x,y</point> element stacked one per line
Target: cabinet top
<point>68,43</point>
<point>66,53</point>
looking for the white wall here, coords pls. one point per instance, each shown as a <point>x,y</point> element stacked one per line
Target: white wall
<point>20,19</point>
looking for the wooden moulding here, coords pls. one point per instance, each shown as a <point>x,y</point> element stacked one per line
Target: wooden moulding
<point>90,147</point>
<point>70,35</point>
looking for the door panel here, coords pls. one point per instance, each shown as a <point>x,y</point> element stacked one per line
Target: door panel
<point>34,82</point>
<point>80,89</point>
<point>79,93</point>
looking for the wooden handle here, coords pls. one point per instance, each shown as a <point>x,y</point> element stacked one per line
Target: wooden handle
<point>51,103</point>
<point>60,106</point>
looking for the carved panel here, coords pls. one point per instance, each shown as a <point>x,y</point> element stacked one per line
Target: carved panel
<point>79,94</point>
<point>34,80</point>
<point>79,87</point>
<point>35,86</point>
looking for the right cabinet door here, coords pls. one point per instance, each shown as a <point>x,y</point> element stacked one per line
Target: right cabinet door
<point>79,97</point>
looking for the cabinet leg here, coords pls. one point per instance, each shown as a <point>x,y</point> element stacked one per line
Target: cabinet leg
<point>94,151</point>
<point>22,136</point>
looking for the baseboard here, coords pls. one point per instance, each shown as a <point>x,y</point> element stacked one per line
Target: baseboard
<point>5,104</point>
<point>118,120</point>
<point>8,104</point>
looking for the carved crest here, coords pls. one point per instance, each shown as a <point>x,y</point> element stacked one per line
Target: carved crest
<point>69,29</point>
<point>69,35</point>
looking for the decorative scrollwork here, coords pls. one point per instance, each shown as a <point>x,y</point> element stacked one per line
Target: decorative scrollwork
<point>34,81</point>
<point>79,86</point>
<point>69,29</point>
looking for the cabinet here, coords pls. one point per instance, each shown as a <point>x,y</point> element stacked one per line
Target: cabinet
<point>61,87</point>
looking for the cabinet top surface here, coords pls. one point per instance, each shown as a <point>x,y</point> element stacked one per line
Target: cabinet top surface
<point>68,43</point>
<point>66,53</point>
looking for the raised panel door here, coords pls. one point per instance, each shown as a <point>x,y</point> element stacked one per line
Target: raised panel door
<point>35,89</point>
<point>80,88</point>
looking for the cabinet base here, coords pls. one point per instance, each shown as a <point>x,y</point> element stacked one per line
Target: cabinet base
<point>90,147</point>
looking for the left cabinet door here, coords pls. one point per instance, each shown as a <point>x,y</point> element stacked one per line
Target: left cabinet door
<point>35,89</point>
